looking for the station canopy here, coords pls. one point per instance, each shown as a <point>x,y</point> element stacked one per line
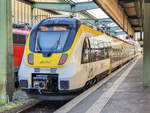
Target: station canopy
<point>103,20</point>
<point>87,10</point>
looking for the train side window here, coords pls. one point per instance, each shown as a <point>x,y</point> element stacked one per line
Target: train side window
<point>102,51</point>
<point>98,51</point>
<point>19,39</point>
<point>107,47</point>
<point>86,51</point>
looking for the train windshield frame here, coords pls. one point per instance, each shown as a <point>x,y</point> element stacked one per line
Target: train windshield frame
<point>52,39</point>
<point>64,27</point>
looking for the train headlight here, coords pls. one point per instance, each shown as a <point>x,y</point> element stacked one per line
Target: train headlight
<point>31,59</point>
<point>63,59</point>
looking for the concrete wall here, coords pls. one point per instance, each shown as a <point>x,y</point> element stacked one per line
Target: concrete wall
<point>21,13</point>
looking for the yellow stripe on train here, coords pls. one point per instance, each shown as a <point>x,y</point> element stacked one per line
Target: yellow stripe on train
<point>53,61</point>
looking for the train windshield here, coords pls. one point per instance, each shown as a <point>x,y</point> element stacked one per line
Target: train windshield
<point>51,39</point>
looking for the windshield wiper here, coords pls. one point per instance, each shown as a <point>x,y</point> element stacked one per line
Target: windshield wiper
<point>55,46</point>
<point>58,41</point>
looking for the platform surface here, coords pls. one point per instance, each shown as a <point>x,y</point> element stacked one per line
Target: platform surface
<point>124,93</point>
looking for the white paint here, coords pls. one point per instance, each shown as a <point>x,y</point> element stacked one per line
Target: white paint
<point>98,106</point>
<point>67,107</point>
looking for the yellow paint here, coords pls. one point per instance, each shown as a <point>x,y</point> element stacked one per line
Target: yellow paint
<point>110,68</point>
<point>52,61</point>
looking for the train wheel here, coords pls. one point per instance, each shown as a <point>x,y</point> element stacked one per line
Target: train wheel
<point>96,80</point>
<point>87,85</point>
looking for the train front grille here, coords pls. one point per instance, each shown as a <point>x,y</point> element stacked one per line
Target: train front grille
<point>45,82</point>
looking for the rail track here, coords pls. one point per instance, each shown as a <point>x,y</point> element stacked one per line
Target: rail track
<point>44,107</point>
<point>38,107</point>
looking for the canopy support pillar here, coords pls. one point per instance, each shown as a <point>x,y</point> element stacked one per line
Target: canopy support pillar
<point>6,59</point>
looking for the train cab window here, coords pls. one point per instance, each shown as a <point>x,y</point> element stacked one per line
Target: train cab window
<point>86,51</point>
<point>19,39</point>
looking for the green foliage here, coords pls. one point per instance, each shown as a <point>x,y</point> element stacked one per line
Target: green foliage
<point>12,105</point>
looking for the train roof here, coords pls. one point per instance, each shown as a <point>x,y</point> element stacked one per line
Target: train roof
<point>71,21</point>
<point>59,21</point>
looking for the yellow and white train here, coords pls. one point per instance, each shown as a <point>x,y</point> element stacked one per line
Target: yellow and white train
<point>63,55</point>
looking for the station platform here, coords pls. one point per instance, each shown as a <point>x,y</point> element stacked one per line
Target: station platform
<point>122,93</point>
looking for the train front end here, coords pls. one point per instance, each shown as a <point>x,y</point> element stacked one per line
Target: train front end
<point>47,66</point>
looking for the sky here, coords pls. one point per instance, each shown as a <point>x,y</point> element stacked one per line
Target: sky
<point>99,14</point>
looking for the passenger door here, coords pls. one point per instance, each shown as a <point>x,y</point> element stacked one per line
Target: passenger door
<point>86,57</point>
